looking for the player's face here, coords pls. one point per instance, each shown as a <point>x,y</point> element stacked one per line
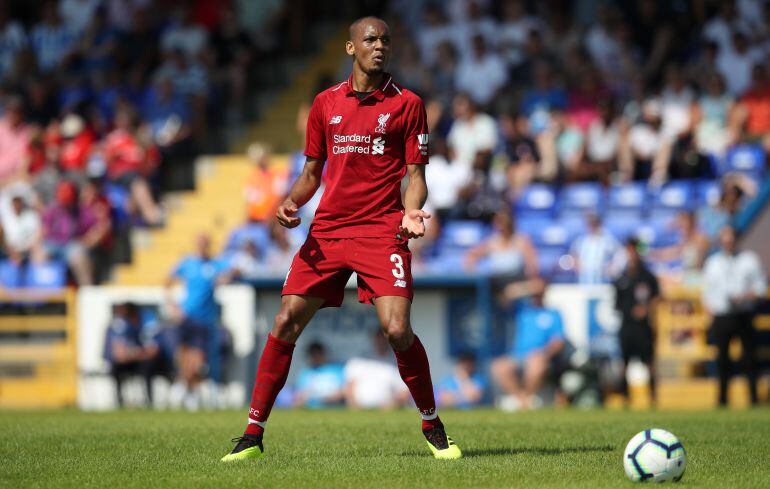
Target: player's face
<point>371,47</point>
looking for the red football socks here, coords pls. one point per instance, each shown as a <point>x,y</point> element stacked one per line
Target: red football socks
<point>415,372</point>
<point>271,376</point>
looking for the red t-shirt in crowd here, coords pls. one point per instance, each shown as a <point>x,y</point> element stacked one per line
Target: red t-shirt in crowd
<point>367,144</point>
<point>75,152</point>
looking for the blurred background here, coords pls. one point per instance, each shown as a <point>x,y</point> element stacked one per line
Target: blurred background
<point>586,157</point>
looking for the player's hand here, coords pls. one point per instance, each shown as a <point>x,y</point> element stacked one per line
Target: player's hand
<point>285,215</point>
<point>413,224</point>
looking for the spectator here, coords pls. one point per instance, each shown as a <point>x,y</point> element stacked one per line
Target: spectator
<point>735,64</point>
<point>70,230</point>
<point>711,117</point>
<point>473,135</point>
<point>21,230</point>
<point>129,352</point>
<point>447,178</point>
<point>77,142</point>
<point>265,186</point>
<point>321,383</point>
<point>130,159</point>
<point>514,29</point>
<point>374,382</point>
<point>247,262</point>
<point>12,40</point>
<point>197,316</point>
<point>77,14</point>
<point>234,53</point>
<point>464,387</point>
<point>538,340</point>
<point>522,153</point>
<point>481,74</point>
<point>538,102</point>
<point>469,20</point>
<point>676,102</point>
<point>185,35</point>
<point>636,296</point>
<point>691,249</point>
<point>642,145</point>
<point>734,189</point>
<point>507,252</point>
<point>594,253</point>
<point>602,145</point>
<point>99,238</point>
<point>53,42</point>
<point>434,32</point>
<point>15,136</point>
<point>444,73</point>
<point>733,282</point>
<point>753,111</point>
<point>562,146</point>
<point>279,255</point>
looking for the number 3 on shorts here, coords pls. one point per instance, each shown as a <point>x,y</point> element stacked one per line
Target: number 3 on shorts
<point>398,271</point>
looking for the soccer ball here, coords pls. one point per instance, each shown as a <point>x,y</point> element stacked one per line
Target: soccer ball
<point>654,456</point>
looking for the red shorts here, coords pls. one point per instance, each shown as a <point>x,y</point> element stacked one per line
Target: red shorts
<point>322,267</point>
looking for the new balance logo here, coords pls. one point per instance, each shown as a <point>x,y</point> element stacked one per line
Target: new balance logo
<point>378,146</point>
<point>336,119</point>
<point>400,283</point>
<point>422,144</point>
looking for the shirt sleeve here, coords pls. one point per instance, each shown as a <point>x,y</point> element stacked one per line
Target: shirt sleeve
<point>757,279</point>
<point>416,135</point>
<point>315,135</point>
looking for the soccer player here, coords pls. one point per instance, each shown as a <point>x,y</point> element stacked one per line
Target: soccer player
<point>371,132</point>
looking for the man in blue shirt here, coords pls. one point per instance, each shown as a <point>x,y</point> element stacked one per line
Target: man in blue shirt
<point>321,383</point>
<point>465,386</point>
<point>198,314</point>
<point>539,338</point>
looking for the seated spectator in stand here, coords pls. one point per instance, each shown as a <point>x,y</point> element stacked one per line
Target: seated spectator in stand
<point>752,119</point>
<point>53,42</point>
<point>15,136</point>
<point>594,253</point>
<point>185,35</point>
<point>711,116</point>
<point>447,178</point>
<point>735,64</point>
<point>247,263</point>
<point>734,191</point>
<point>22,232</point>
<point>538,340</point>
<point>99,239</point>
<point>482,73</point>
<point>71,231</point>
<point>522,153</point>
<point>279,255</point>
<point>464,387</point>
<point>77,142</point>
<point>642,145</point>
<point>473,135</point>
<point>508,253</point>
<point>602,145</point>
<point>130,160</point>
<point>99,43</point>
<point>321,383</point>
<point>128,351</point>
<point>14,40</point>
<point>265,186</point>
<point>374,382</point>
<point>691,249</point>
<point>544,97</point>
<point>562,146</point>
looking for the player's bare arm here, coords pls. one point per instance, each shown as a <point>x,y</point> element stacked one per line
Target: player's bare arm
<point>303,190</point>
<point>413,222</point>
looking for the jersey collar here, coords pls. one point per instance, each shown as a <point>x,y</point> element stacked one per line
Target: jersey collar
<point>379,93</point>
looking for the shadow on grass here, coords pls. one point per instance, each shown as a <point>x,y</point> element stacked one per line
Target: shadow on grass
<point>498,451</point>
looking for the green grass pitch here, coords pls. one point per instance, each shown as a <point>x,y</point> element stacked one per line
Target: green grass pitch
<point>338,449</point>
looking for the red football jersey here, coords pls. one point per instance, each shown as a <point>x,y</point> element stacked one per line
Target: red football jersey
<point>367,145</point>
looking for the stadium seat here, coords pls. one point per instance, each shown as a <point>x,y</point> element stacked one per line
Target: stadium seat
<point>581,198</point>
<point>536,200</point>
<point>531,225</point>
<point>49,275</point>
<point>463,234</point>
<point>627,201</point>
<point>622,227</point>
<point>676,195</point>
<point>10,274</point>
<point>708,192</point>
<point>745,158</point>
<point>555,235</point>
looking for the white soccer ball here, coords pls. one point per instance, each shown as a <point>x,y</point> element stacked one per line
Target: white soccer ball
<point>654,456</point>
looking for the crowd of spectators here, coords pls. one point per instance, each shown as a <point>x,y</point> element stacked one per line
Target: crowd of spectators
<point>103,106</point>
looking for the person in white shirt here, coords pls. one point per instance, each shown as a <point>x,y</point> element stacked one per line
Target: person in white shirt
<point>482,74</point>
<point>374,382</point>
<point>473,135</point>
<point>594,253</point>
<point>446,177</point>
<point>733,282</point>
<point>22,230</point>
<point>735,64</point>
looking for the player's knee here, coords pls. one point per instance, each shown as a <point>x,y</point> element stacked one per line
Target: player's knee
<point>398,332</point>
<point>500,367</point>
<point>286,327</point>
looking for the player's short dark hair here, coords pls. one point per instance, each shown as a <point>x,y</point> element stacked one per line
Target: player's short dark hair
<point>633,242</point>
<point>354,25</point>
<point>466,356</point>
